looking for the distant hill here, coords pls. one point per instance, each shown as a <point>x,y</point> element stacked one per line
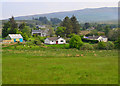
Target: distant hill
<point>85,15</point>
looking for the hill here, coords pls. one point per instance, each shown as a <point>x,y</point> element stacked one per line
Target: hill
<point>84,15</point>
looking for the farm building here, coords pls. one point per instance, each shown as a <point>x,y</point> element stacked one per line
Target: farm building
<point>55,40</point>
<point>40,32</point>
<point>14,38</point>
<point>99,38</point>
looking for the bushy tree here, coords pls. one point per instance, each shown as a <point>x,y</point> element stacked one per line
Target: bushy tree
<point>117,43</point>
<point>22,26</point>
<point>25,36</point>
<point>9,27</point>
<point>102,45</point>
<point>60,31</point>
<point>5,29</point>
<point>75,24</point>
<point>27,31</point>
<point>75,42</point>
<point>55,21</point>
<point>67,23</point>
<point>110,45</point>
<point>87,25</point>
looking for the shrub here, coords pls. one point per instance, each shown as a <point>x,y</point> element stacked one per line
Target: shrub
<point>117,43</point>
<point>102,45</point>
<point>95,46</point>
<point>105,45</point>
<point>37,42</point>
<point>42,39</point>
<point>109,45</point>
<point>75,42</point>
<point>87,47</point>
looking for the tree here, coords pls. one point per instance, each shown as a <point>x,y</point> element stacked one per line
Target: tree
<point>101,45</point>
<point>27,31</point>
<point>44,20</point>
<point>117,43</point>
<point>67,23</point>
<point>60,31</point>
<point>106,30</point>
<point>87,25</point>
<point>75,42</point>
<point>55,21</point>
<point>75,25</point>
<point>22,26</point>
<point>13,23</point>
<point>51,32</point>
<point>13,26</point>
<point>5,29</point>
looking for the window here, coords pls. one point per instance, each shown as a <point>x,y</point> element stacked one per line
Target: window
<point>61,40</point>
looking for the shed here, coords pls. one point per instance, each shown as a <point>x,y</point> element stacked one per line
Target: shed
<point>15,37</point>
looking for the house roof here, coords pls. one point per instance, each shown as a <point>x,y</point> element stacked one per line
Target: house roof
<point>40,31</point>
<point>15,36</point>
<point>36,31</point>
<point>53,38</point>
<point>95,37</point>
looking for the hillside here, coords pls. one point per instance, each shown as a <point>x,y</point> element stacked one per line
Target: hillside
<point>84,15</point>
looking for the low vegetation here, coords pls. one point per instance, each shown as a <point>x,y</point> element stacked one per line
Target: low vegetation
<point>27,64</point>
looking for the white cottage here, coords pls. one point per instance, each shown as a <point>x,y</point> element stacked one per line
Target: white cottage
<point>55,40</point>
<point>99,38</point>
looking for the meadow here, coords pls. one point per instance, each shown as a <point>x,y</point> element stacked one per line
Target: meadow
<point>23,64</point>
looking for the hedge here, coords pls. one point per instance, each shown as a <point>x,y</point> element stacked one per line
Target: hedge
<point>89,41</point>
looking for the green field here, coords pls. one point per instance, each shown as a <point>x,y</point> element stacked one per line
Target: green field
<point>45,65</point>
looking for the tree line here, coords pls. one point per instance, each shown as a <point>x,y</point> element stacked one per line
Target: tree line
<point>11,27</point>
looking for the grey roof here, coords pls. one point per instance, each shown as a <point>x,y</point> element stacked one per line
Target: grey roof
<point>53,38</point>
<point>104,36</point>
<point>40,31</point>
<point>41,26</point>
<point>36,31</point>
<point>15,36</point>
<point>95,37</point>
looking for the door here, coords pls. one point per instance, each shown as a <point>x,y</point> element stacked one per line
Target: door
<point>14,40</point>
<point>56,42</point>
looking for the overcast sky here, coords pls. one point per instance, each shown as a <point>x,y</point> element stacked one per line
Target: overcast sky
<point>28,7</point>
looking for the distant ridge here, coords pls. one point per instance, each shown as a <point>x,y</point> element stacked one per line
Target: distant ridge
<point>84,15</point>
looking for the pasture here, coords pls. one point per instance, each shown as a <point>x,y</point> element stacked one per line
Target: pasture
<point>24,64</point>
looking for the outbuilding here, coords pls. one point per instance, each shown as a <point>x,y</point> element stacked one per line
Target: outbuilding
<point>55,40</point>
<point>99,38</point>
<point>15,37</point>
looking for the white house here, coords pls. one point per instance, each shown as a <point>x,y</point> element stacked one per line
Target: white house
<point>55,40</point>
<point>40,32</point>
<point>99,38</point>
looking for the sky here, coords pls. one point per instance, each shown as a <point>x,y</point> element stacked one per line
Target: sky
<point>16,8</point>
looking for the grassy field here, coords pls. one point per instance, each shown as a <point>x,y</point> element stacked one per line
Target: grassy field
<point>24,64</point>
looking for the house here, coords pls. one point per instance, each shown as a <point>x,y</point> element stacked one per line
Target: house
<point>40,26</point>
<point>40,32</point>
<point>14,38</point>
<point>91,28</point>
<point>99,38</point>
<point>55,40</point>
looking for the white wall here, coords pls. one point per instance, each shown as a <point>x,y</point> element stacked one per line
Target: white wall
<point>59,41</point>
<point>102,39</point>
<point>47,41</point>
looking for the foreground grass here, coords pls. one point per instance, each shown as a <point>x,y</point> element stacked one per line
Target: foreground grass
<point>59,66</point>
